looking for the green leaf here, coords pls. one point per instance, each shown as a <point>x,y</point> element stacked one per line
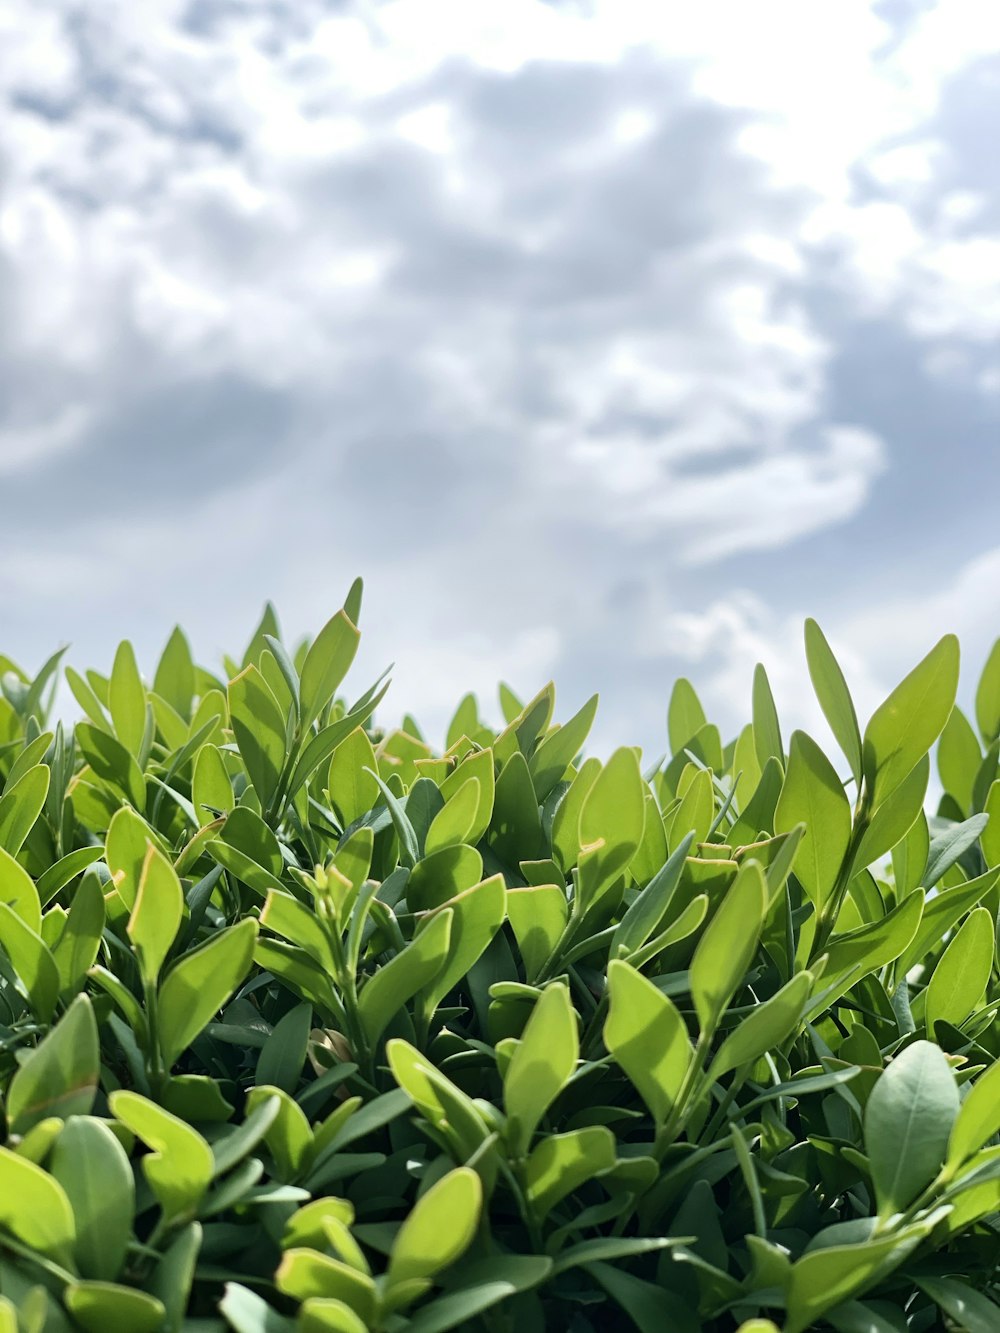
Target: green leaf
<point>32,962</point>
<point>685,715</point>
<point>259,728</point>
<point>477,915</point>
<point>727,946</point>
<point>764,1029</point>
<point>127,842</point>
<point>959,981</point>
<point>988,696</point>
<point>824,1278</point>
<point>941,913</point>
<point>18,892</point>
<point>326,664</point>
<point>970,1309</point>
<point>566,820</point>
<point>156,916</point>
<point>59,1077</point>
<point>455,820</point>
<point>35,1209</point>
<point>907,1124</point>
<point>559,748</point>
<point>174,680</point>
<point>127,699</point>
<point>112,762</point>
<point>541,1065</point>
<point>486,1283</point>
<point>353,788</point>
<point>20,806</point>
<point>100,1306</point>
<point>766,731</point>
<point>93,1168</point>
<point>834,696</point>
<point>648,1038</point>
<point>200,983</point>
<point>903,728</point>
<point>949,846</point>
<point>246,1312</point>
<point>650,905</point>
<point>515,831</point>
<point>989,838</point>
<point>438,1229</point>
<point>978,1118</point>
<point>813,795</point>
<point>538,918</point>
<point>894,818</point>
<point>76,949</point>
<point>959,758</point>
<point>561,1163</point>
<point>180,1165</point>
<point>61,872</point>
<point>210,785</point>
<point>413,968</point>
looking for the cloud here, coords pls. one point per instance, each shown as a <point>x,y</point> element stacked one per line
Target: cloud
<point>515,308</point>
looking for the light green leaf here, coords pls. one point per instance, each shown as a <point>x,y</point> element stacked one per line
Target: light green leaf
<point>18,892</point>
<point>538,918</point>
<point>906,725</point>
<point>558,750</point>
<point>455,820</point>
<point>35,1209</point>
<point>813,795</point>
<point>477,915</point>
<point>93,1168</point>
<point>727,946</point>
<point>894,818</point>
<point>685,715</point>
<point>59,1077</point>
<point>412,968</point>
<point>200,983</point>
<point>959,981</point>
<point>98,1307</point>
<point>541,1065</point>
<point>211,785</point>
<point>949,846</point>
<point>648,1038</point>
<point>908,1121</point>
<point>766,731</point>
<point>959,758</point>
<point>326,664</point>
<point>978,1118</point>
<point>259,728</point>
<point>20,806</point>
<point>764,1029</point>
<point>438,1229</point>
<point>988,696</point>
<point>180,1165</point>
<point>834,696</point>
<point>941,913</point>
<point>560,1163</point>
<point>127,699</point>
<point>157,913</point>
<point>32,961</point>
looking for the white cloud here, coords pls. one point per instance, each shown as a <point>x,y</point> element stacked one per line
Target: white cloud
<point>504,267</point>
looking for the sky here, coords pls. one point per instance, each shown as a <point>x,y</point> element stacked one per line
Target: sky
<point>605,340</point>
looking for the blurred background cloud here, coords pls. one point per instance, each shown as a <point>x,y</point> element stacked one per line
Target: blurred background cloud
<point>605,340</point>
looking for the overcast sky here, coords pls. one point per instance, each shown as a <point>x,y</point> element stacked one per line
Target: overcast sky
<point>606,340</point>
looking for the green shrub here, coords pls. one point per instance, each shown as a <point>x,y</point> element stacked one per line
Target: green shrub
<point>304,1026</point>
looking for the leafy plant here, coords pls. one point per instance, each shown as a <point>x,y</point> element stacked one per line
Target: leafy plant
<point>306,1025</point>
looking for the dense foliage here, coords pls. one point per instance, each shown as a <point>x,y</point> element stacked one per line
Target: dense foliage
<point>305,1026</point>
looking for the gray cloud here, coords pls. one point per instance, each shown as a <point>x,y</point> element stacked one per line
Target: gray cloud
<point>536,342</point>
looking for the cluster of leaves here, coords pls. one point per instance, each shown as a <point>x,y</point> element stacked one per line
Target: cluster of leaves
<point>305,1026</point>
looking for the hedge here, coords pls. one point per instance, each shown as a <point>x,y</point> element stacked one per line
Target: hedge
<point>307,1025</point>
